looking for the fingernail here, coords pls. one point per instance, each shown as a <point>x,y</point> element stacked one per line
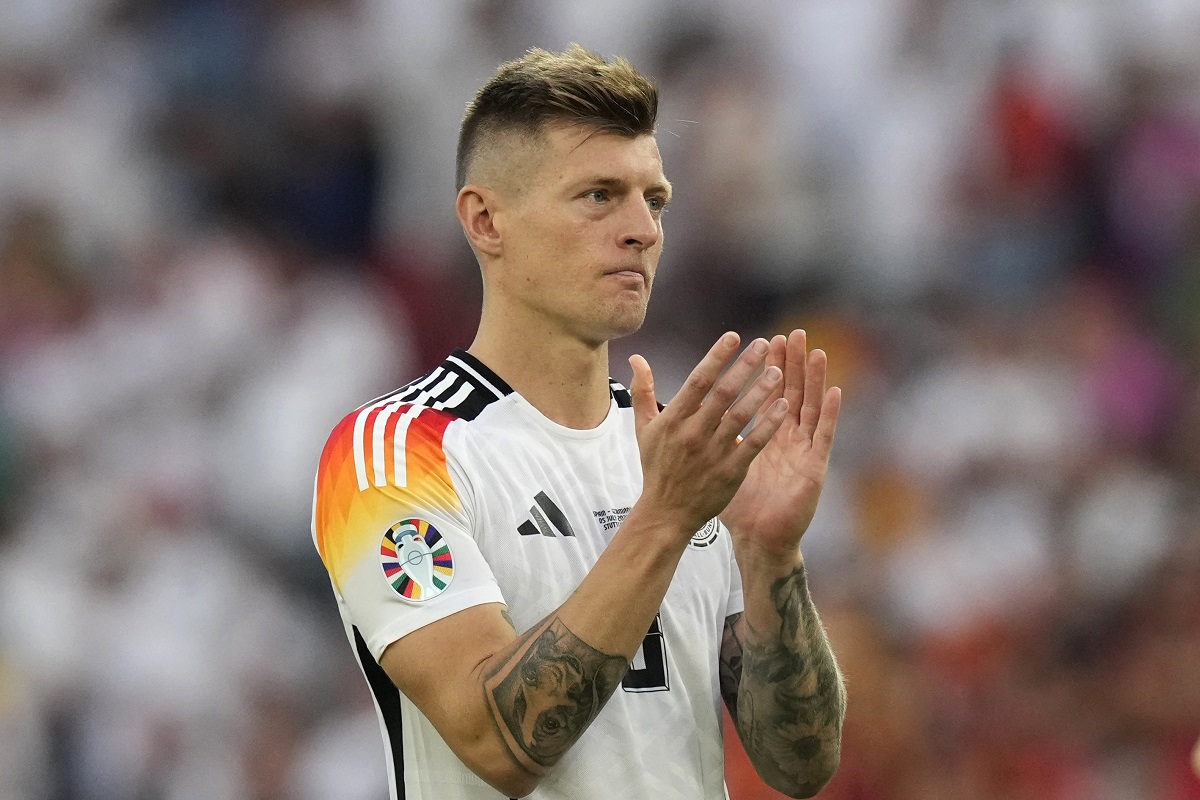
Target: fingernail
<point>728,338</point>
<point>759,347</point>
<point>773,374</point>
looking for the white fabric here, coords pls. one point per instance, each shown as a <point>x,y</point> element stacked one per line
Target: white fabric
<point>664,743</point>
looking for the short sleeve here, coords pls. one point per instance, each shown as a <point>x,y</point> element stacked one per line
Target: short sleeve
<point>735,604</point>
<point>391,525</point>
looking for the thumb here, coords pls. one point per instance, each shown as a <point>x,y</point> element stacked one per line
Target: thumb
<point>641,389</point>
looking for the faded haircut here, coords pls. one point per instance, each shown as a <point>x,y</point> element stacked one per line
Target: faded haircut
<point>541,88</point>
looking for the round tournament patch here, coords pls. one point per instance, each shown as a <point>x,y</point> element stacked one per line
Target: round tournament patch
<point>416,560</point>
<point>706,535</point>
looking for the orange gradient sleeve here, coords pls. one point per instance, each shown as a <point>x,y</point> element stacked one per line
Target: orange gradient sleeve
<point>380,464</point>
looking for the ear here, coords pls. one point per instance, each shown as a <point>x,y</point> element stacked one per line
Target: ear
<point>476,207</point>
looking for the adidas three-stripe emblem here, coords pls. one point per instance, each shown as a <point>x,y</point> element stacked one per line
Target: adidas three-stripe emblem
<point>545,518</point>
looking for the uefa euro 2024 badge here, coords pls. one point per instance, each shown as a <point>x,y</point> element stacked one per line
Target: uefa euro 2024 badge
<point>706,535</point>
<point>416,560</point>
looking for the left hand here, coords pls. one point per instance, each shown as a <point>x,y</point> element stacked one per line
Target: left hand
<point>778,498</point>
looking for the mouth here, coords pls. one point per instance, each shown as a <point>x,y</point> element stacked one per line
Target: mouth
<point>627,273</point>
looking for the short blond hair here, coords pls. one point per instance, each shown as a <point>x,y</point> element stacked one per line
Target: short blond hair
<point>542,88</point>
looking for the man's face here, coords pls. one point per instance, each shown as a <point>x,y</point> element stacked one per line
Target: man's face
<point>582,235</point>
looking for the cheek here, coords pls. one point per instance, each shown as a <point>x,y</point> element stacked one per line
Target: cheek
<point>545,252</point>
<point>526,262</point>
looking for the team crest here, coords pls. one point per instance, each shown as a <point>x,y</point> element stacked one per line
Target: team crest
<point>416,560</point>
<point>706,535</point>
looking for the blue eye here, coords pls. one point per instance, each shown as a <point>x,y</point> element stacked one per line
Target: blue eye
<point>657,204</point>
<point>598,195</point>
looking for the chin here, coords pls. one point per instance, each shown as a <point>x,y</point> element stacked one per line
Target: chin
<point>617,320</point>
<point>625,327</point>
<point>601,331</point>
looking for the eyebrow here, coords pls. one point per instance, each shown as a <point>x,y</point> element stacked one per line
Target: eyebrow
<point>616,184</point>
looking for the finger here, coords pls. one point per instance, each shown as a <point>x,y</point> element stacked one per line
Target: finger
<point>764,428</point>
<point>794,370</point>
<point>814,392</point>
<point>705,374</point>
<point>827,425</point>
<point>732,384</point>
<point>737,417</point>
<point>641,389</point>
<point>776,357</point>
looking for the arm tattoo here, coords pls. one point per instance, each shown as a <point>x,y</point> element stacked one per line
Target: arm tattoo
<point>790,700</point>
<point>548,690</point>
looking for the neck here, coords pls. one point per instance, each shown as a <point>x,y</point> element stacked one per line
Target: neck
<point>561,376</point>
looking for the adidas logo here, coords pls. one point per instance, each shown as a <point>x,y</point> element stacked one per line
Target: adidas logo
<point>545,518</point>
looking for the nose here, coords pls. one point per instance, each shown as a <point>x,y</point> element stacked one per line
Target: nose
<point>640,227</point>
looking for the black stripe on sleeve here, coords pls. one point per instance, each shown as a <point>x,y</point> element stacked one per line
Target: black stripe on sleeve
<point>388,698</point>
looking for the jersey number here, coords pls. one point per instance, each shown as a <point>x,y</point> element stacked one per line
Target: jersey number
<point>648,672</point>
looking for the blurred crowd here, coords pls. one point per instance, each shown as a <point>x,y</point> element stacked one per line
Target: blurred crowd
<point>224,224</point>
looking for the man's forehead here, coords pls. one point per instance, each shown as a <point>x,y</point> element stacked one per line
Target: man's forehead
<point>573,149</point>
<point>569,138</point>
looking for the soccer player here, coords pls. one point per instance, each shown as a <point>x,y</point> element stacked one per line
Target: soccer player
<point>550,581</point>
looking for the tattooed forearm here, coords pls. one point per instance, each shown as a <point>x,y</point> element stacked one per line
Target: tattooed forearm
<point>546,693</point>
<point>790,699</point>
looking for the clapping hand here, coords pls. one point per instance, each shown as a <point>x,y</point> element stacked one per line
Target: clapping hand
<point>778,498</point>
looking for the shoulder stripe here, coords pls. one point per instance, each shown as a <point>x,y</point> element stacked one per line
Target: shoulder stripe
<point>471,371</point>
<point>448,380</point>
<point>360,450</point>
<point>457,398</point>
<point>400,446</point>
<point>392,395</point>
<point>377,414</point>
<point>391,401</point>
<point>416,388</point>
<point>388,423</point>
<point>408,389</point>
<point>461,386</point>
<point>378,455</point>
<point>448,391</point>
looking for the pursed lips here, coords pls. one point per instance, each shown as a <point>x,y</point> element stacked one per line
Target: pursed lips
<point>628,272</point>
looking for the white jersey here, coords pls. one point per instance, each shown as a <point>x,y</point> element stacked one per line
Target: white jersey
<point>455,491</point>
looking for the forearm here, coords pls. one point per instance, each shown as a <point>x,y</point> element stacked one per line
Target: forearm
<point>544,690</point>
<point>789,699</point>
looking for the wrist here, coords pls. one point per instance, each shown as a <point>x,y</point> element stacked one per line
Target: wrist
<point>655,528</point>
<point>654,523</point>
<point>765,561</point>
<point>764,572</point>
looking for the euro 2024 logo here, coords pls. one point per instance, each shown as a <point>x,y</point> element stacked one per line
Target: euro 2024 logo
<point>416,560</point>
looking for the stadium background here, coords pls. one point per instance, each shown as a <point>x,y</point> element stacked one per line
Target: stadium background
<point>225,223</point>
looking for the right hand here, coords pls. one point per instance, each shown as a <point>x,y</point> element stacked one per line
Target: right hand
<point>692,459</point>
